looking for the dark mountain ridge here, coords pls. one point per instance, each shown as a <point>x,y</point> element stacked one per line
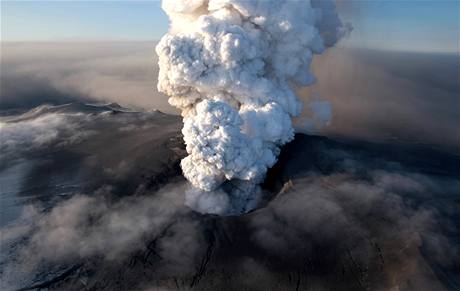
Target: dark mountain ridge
<point>338,214</point>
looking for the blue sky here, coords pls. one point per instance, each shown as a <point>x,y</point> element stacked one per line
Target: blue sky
<point>410,25</point>
<point>82,20</point>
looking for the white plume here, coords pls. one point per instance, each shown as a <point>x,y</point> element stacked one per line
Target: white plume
<point>232,68</point>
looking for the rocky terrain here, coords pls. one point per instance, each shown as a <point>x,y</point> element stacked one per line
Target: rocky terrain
<point>97,204</point>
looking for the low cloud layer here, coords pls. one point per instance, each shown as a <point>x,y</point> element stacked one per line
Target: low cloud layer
<point>57,73</point>
<point>98,226</point>
<point>32,133</point>
<point>333,222</point>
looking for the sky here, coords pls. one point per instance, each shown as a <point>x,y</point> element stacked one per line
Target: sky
<point>403,25</point>
<point>82,20</point>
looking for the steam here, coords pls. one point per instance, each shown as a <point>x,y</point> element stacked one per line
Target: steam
<point>34,131</point>
<point>232,68</point>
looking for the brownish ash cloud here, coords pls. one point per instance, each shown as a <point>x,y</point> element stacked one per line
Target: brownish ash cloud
<point>374,94</point>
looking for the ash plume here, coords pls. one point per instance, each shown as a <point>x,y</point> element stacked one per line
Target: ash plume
<point>232,68</point>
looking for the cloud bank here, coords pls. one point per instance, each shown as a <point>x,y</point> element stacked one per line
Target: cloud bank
<point>32,133</point>
<point>61,72</point>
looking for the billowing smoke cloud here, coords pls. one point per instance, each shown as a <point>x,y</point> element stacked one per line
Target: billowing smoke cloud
<point>232,68</point>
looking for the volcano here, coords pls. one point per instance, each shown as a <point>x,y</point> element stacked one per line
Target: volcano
<point>99,205</point>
